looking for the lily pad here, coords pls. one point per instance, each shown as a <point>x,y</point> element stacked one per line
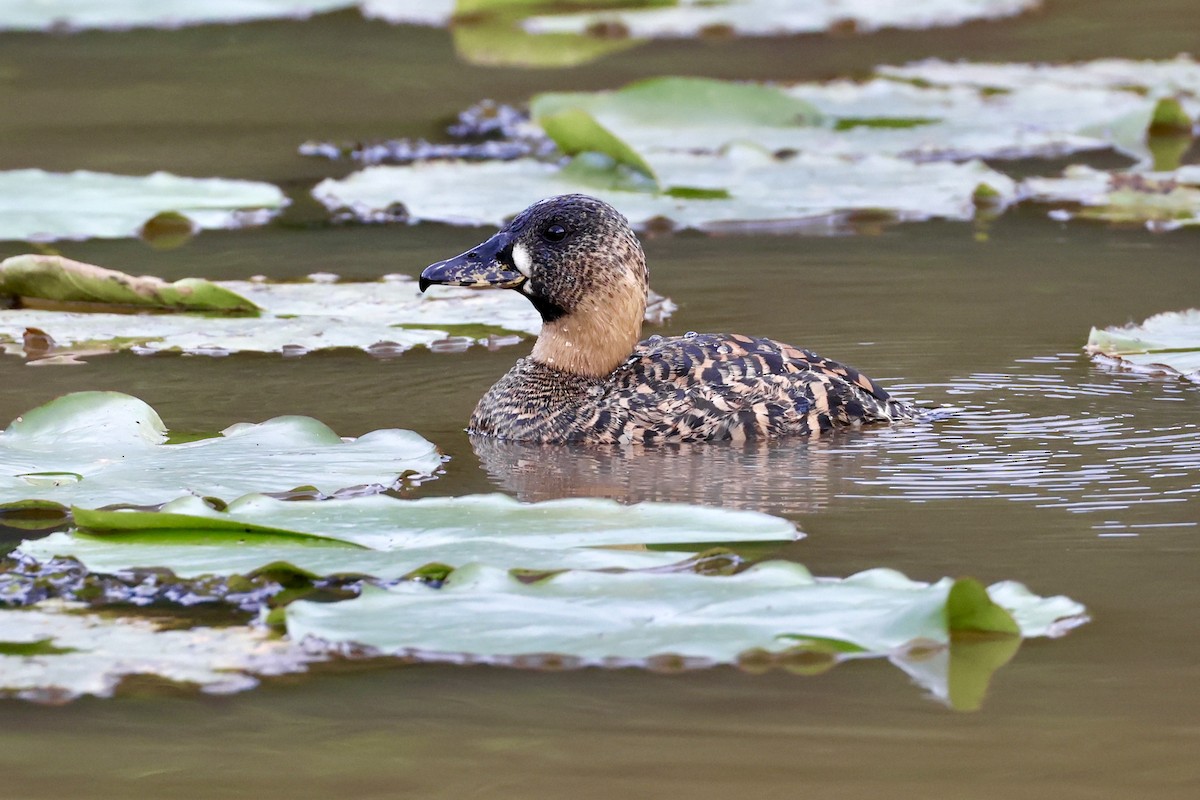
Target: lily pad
<point>1165,344</point>
<point>36,205</point>
<point>122,14</point>
<point>385,318</point>
<point>747,185</point>
<point>777,17</point>
<point>65,281</point>
<point>99,448</point>
<point>485,614</point>
<point>883,116</point>
<point>732,155</point>
<point>387,538</point>
<point>53,653</point>
<point>1163,201</point>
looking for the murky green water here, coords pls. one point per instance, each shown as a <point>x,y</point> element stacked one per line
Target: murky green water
<point>1056,473</point>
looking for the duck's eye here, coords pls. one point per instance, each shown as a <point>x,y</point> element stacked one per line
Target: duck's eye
<point>554,233</point>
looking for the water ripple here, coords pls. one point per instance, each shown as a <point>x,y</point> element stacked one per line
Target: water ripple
<point>1052,431</point>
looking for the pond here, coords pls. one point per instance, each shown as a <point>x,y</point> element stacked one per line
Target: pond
<point>1057,472</point>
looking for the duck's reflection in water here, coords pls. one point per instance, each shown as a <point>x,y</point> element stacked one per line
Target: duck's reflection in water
<point>782,477</point>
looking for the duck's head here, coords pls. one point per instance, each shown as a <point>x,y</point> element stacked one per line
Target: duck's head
<point>580,264</point>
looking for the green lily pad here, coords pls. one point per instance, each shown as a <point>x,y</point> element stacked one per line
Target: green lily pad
<point>99,448</point>
<point>576,131</point>
<point>45,206</point>
<point>774,18</point>
<point>883,116</point>
<point>66,281</point>
<point>1165,344</point>
<point>685,102</point>
<point>384,317</point>
<point>486,614</point>
<point>387,538</point>
<point>53,653</point>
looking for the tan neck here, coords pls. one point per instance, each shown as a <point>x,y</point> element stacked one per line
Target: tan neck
<point>593,340</point>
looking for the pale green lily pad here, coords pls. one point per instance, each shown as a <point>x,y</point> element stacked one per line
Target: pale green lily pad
<point>388,538</point>
<point>1179,76</point>
<point>36,205</point>
<point>1163,201</point>
<point>760,188</point>
<point>1165,344</point>
<point>779,17</point>
<point>94,449</point>
<point>122,14</point>
<point>792,155</point>
<point>63,280</point>
<point>485,614</point>
<point>53,652</point>
<point>386,318</point>
<point>883,116</point>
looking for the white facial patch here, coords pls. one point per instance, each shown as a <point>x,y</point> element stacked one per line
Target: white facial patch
<point>522,260</point>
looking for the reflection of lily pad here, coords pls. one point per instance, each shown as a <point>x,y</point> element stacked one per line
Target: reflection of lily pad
<point>64,281</point>
<point>99,448</point>
<point>53,653</point>
<point>386,317</point>
<point>1163,201</point>
<point>394,537</point>
<point>42,206</point>
<point>776,17</point>
<point>633,618</point>
<point>1165,344</point>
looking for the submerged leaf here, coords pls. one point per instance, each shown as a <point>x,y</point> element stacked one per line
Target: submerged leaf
<point>390,538</point>
<point>111,447</point>
<point>1167,343</point>
<point>53,653</point>
<point>62,280</point>
<point>36,205</point>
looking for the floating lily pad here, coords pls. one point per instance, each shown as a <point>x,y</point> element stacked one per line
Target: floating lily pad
<point>65,281</point>
<point>1165,344</point>
<point>883,116</point>
<point>703,153</point>
<point>44,206</point>
<point>746,186</point>
<point>776,17</point>
<point>384,317</point>
<point>388,538</point>
<point>487,615</point>
<point>99,448</point>
<point>54,653</point>
<point>1179,76</point>
<point>1163,201</point>
<point>122,14</point>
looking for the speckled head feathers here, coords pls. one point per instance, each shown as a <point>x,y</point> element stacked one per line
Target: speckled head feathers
<point>565,253</point>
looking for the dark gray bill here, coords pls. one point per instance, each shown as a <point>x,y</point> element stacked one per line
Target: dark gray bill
<point>486,266</point>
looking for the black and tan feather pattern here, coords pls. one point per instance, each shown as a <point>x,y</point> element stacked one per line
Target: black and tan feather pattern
<point>583,268</point>
<point>685,389</point>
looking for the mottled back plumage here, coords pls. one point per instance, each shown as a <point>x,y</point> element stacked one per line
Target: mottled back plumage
<point>589,380</point>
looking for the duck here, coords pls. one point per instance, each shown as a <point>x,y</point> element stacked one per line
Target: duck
<point>591,380</point>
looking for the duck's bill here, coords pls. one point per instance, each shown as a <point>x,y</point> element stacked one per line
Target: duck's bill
<point>483,267</point>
